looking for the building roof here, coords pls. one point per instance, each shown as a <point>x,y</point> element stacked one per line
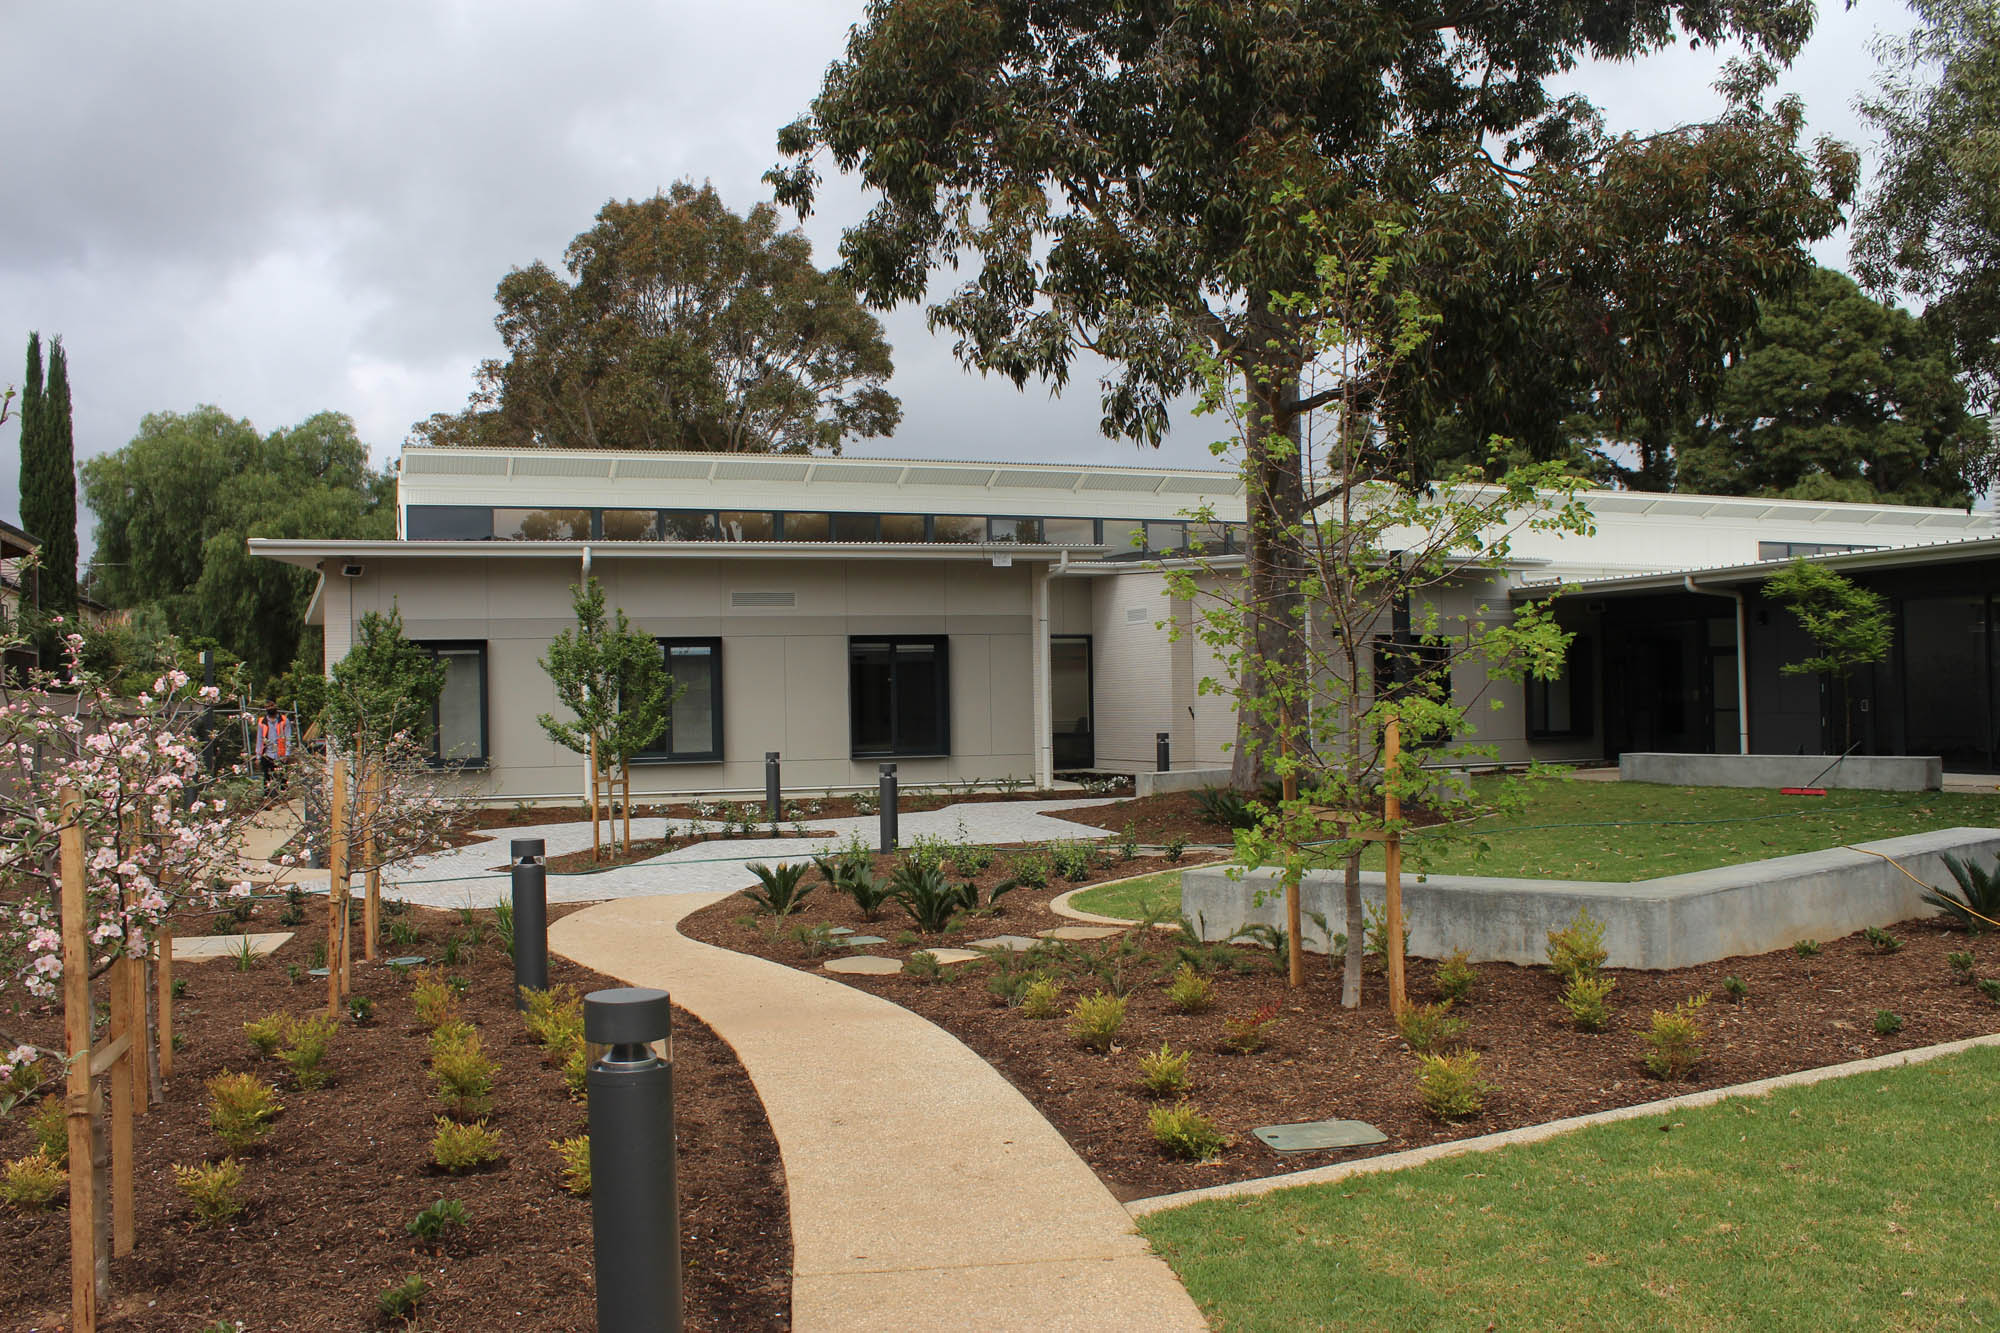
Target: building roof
<point>309,554</point>
<point>1717,576</point>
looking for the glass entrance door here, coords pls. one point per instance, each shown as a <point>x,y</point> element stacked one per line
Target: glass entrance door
<point>1074,740</point>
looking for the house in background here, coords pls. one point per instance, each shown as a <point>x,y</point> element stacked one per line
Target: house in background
<point>979,621</point>
<point>19,586</point>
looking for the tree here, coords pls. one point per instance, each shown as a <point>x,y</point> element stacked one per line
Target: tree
<point>1381,559</point>
<point>48,488</point>
<point>614,679</point>
<point>683,326</point>
<point>1116,175</point>
<point>1849,625</point>
<point>175,506</point>
<point>385,687</point>
<point>1930,227</point>
<point>1837,396</point>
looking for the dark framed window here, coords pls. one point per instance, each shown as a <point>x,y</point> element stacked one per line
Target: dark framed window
<point>1792,550</point>
<point>957,528</point>
<point>629,525</point>
<point>694,724</point>
<point>748,525</point>
<point>1013,529</point>
<point>688,525</point>
<point>805,528</point>
<point>1565,706</point>
<point>542,525</point>
<point>1413,666</point>
<point>854,527</point>
<point>1070,531</point>
<point>899,695</point>
<point>448,523</point>
<point>458,720</point>
<point>904,528</point>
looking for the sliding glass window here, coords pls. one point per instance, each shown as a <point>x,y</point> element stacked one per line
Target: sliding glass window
<point>693,733</point>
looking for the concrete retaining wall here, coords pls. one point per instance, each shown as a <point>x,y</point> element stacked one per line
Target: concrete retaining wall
<point>1872,772</point>
<point>1676,921</point>
<point>1183,779</point>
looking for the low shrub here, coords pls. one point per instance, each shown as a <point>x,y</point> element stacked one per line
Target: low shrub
<point>1736,989</point>
<point>575,1155</point>
<point>1040,998</point>
<point>30,1184</point>
<point>554,1017</point>
<point>461,1071</point>
<point>1094,1020</point>
<point>503,924</point>
<point>1451,1086</point>
<point>361,1009</point>
<point>1806,948</point>
<point>1175,849</point>
<point>923,966</point>
<point>434,999</point>
<point>1975,905</point>
<point>929,897</point>
<point>1225,806</point>
<point>1881,941</point>
<point>813,941</point>
<point>459,1148</point>
<point>304,1051</point>
<point>781,889</point>
<point>1128,844</point>
<point>576,1069</point>
<point>241,1108</point>
<point>215,1189</point>
<point>1186,1133</point>
<point>1032,868</point>
<point>1588,1000</point>
<point>1164,1073</point>
<point>970,859</point>
<point>1073,858</point>
<point>49,1123</point>
<point>1248,1033</point>
<point>403,1300</point>
<point>1887,1024</point>
<point>1990,988</point>
<point>1455,978</point>
<point>1425,1027</point>
<point>1961,965</point>
<point>1189,991</point>
<point>268,1033</point>
<point>1578,948</point>
<point>436,1222</point>
<point>1375,934</point>
<point>1674,1043</point>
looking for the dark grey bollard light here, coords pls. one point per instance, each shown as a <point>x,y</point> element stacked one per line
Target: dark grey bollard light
<point>634,1206</point>
<point>771,800</point>
<point>531,917</point>
<point>886,803</point>
<point>1162,758</point>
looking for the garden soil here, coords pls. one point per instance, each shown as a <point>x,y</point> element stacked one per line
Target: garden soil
<point>346,1166</point>
<point>1323,1061</point>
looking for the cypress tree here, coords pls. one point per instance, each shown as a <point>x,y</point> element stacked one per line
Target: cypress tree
<point>31,419</point>
<point>52,483</point>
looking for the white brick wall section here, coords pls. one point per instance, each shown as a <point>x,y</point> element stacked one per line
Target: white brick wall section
<point>1134,668</point>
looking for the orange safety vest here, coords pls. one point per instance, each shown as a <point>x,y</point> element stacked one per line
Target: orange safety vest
<point>273,735</point>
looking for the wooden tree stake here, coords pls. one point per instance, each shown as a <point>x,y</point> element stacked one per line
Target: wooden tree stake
<point>371,910</point>
<point>336,885</point>
<point>1392,867</point>
<point>77,1104</point>
<point>1295,955</point>
<point>124,1101</point>
<point>596,853</point>
<point>163,997</point>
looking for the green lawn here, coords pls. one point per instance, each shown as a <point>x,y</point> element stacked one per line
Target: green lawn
<point>1865,1202</point>
<point>1625,831</point>
<point>1134,897</point>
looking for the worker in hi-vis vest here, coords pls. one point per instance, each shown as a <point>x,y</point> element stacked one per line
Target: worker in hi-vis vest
<point>274,746</point>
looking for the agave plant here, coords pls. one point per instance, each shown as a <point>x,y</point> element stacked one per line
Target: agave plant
<point>929,897</point>
<point>784,889</point>
<point>1976,905</point>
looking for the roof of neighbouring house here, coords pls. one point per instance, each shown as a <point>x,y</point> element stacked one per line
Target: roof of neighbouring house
<point>1756,571</point>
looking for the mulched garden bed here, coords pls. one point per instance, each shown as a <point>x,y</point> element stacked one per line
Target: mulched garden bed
<point>645,849</point>
<point>1159,820</point>
<point>346,1166</point>
<point>1327,1062</point>
<point>805,807</point>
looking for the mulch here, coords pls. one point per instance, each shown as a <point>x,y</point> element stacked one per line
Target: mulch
<point>346,1166</point>
<point>1325,1062</point>
<point>1159,820</point>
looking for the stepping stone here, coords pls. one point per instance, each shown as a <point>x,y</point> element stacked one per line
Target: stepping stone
<point>1081,932</point>
<point>1316,1135</point>
<point>946,957</point>
<point>201,948</point>
<point>407,960</point>
<point>861,941</point>
<point>316,972</point>
<point>1018,943</point>
<point>865,965</point>
<point>840,930</point>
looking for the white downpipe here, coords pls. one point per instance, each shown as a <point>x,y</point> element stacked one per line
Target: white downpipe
<point>1742,660</point>
<point>1045,760</point>
<point>583,795</point>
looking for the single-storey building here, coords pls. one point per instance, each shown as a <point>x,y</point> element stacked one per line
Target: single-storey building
<point>984,621</point>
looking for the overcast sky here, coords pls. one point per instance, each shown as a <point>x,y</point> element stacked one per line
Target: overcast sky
<point>283,209</point>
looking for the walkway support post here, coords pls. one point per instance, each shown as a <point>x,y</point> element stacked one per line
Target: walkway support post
<point>886,797</point>
<point>634,1206</point>
<point>531,917</point>
<point>771,794</point>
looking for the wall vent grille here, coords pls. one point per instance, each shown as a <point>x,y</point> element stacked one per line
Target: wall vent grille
<point>1135,614</point>
<point>743,599</point>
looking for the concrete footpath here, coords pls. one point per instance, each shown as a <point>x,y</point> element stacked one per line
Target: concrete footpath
<point>925,1191</point>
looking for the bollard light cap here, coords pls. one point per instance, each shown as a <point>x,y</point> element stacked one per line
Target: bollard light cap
<point>527,849</point>
<point>627,1014</point>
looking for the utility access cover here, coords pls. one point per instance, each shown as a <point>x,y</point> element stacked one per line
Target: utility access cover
<point>1318,1135</point>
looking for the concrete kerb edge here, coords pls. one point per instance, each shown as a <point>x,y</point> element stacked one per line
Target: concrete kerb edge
<point>1555,1128</point>
<point>1060,903</point>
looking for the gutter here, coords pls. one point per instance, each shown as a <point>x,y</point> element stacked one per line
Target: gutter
<point>1742,660</point>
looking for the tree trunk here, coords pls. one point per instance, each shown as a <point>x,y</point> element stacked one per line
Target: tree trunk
<point>1275,482</point>
<point>1357,937</point>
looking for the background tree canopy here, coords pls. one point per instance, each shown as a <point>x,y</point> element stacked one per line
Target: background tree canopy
<point>682,326</point>
<point>175,506</point>
<point>1931,228</point>
<point>1838,397</point>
